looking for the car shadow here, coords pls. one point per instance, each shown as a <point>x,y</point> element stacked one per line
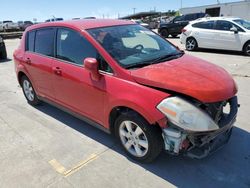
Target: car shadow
<point>224,52</point>
<point>5,60</point>
<point>228,167</point>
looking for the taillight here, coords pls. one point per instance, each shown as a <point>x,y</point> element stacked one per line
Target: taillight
<point>183,30</point>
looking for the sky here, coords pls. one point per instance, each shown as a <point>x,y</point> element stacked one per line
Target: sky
<point>41,10</point>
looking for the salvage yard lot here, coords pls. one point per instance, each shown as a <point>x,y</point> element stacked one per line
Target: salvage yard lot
<point>45,147</point>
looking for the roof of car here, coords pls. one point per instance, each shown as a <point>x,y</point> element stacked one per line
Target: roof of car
<point>216,18</point>
<point>83,24</point>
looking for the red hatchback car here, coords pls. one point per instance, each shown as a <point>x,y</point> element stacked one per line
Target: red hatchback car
<point>130,82</point>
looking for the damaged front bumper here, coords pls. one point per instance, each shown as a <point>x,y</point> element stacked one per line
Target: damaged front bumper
<point>199,145</point>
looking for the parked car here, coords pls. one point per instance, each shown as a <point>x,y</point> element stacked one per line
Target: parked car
<point>9,26</point>
<point>141,23</point>
<point>54,19</point>
<point>3,53</point>
<point>129,81</point>
<point>218,33</point>
<point>175,26</point>
<point>24,24</point>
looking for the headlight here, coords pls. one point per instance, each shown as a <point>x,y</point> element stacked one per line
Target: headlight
<point>185,115</point>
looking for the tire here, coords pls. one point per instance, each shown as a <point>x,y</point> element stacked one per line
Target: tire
<point>3,53</point>
<point>246,49</point>
<point>191,44</point>
<point>29,91</point>
<point>140,140</point>
<point>164,33</point>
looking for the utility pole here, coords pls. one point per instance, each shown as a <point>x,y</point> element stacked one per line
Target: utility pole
<point>134,10</point>
<point>181,3</point>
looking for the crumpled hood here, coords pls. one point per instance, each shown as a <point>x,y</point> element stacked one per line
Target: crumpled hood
<point>190,76</point>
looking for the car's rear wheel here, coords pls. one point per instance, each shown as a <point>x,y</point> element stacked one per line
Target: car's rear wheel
<point>164,33</point>
<point>3,53</point>
<point>247,49</point>
<point>29,91</point>
<point>191,44</point>
<point>141,141</point>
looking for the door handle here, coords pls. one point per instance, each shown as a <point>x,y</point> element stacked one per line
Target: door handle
<point>28,61</point>
<point>57,70</point>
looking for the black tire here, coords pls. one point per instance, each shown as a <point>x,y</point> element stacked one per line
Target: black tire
<point>164,33</point>
<point>246,49</point>
<point>3,53</point>
<point>151,133</point>
<point>191,44</point>
<point>32,101</point>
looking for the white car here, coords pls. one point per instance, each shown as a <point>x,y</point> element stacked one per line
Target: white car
<point>8,26</point>
<point>217,33</point>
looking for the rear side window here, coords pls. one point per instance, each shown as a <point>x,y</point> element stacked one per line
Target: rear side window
<point>44,43</point>
<point>204,25</point>
<point>30,42</point>
<point>73,47</point>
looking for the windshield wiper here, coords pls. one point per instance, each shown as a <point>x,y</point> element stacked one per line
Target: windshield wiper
<point>167,57</point>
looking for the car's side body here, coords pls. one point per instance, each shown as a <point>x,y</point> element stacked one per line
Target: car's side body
<point>209,34</point>
<point>112,89</point>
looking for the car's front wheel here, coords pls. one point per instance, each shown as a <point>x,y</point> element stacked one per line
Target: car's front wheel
<point>29,91</point>
<point>142,141</point>
<point>191,44</point>
<point>247,49</point>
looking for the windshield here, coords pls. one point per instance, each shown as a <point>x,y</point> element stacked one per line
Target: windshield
<point>243,23</point>
<point>132,45</point>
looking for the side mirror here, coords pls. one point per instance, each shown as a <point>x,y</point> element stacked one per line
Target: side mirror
<point>91,64</point>
<point>234,29</point>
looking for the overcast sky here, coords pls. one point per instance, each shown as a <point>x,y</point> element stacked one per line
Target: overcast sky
<point>43,9</point>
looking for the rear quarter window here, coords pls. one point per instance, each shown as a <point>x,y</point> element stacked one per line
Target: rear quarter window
<point>30,41</point>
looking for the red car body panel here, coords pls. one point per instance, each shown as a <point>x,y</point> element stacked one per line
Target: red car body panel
<point>190,76</point>
<point>73,87</point>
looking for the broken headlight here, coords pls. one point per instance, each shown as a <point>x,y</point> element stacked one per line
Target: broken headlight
<point>186,116</point>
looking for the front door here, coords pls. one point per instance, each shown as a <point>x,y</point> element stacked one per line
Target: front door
<point>226,39</point>
<point>72,83</point>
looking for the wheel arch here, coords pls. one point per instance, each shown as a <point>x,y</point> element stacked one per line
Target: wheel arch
<point>118,110</point>
<point>245,45</point>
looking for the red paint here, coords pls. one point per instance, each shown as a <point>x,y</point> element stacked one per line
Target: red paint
<point>74,87</point>
<point>190,76</point>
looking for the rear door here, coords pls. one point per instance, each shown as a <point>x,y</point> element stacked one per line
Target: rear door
<point>72,83</point>
<point>205,34</point>
<point>38,59</point>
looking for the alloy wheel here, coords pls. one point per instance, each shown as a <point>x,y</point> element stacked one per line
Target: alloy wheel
<point>28,90</point>
<point>133,139</point>
<point>191,44</point>
<point>248,49</point>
